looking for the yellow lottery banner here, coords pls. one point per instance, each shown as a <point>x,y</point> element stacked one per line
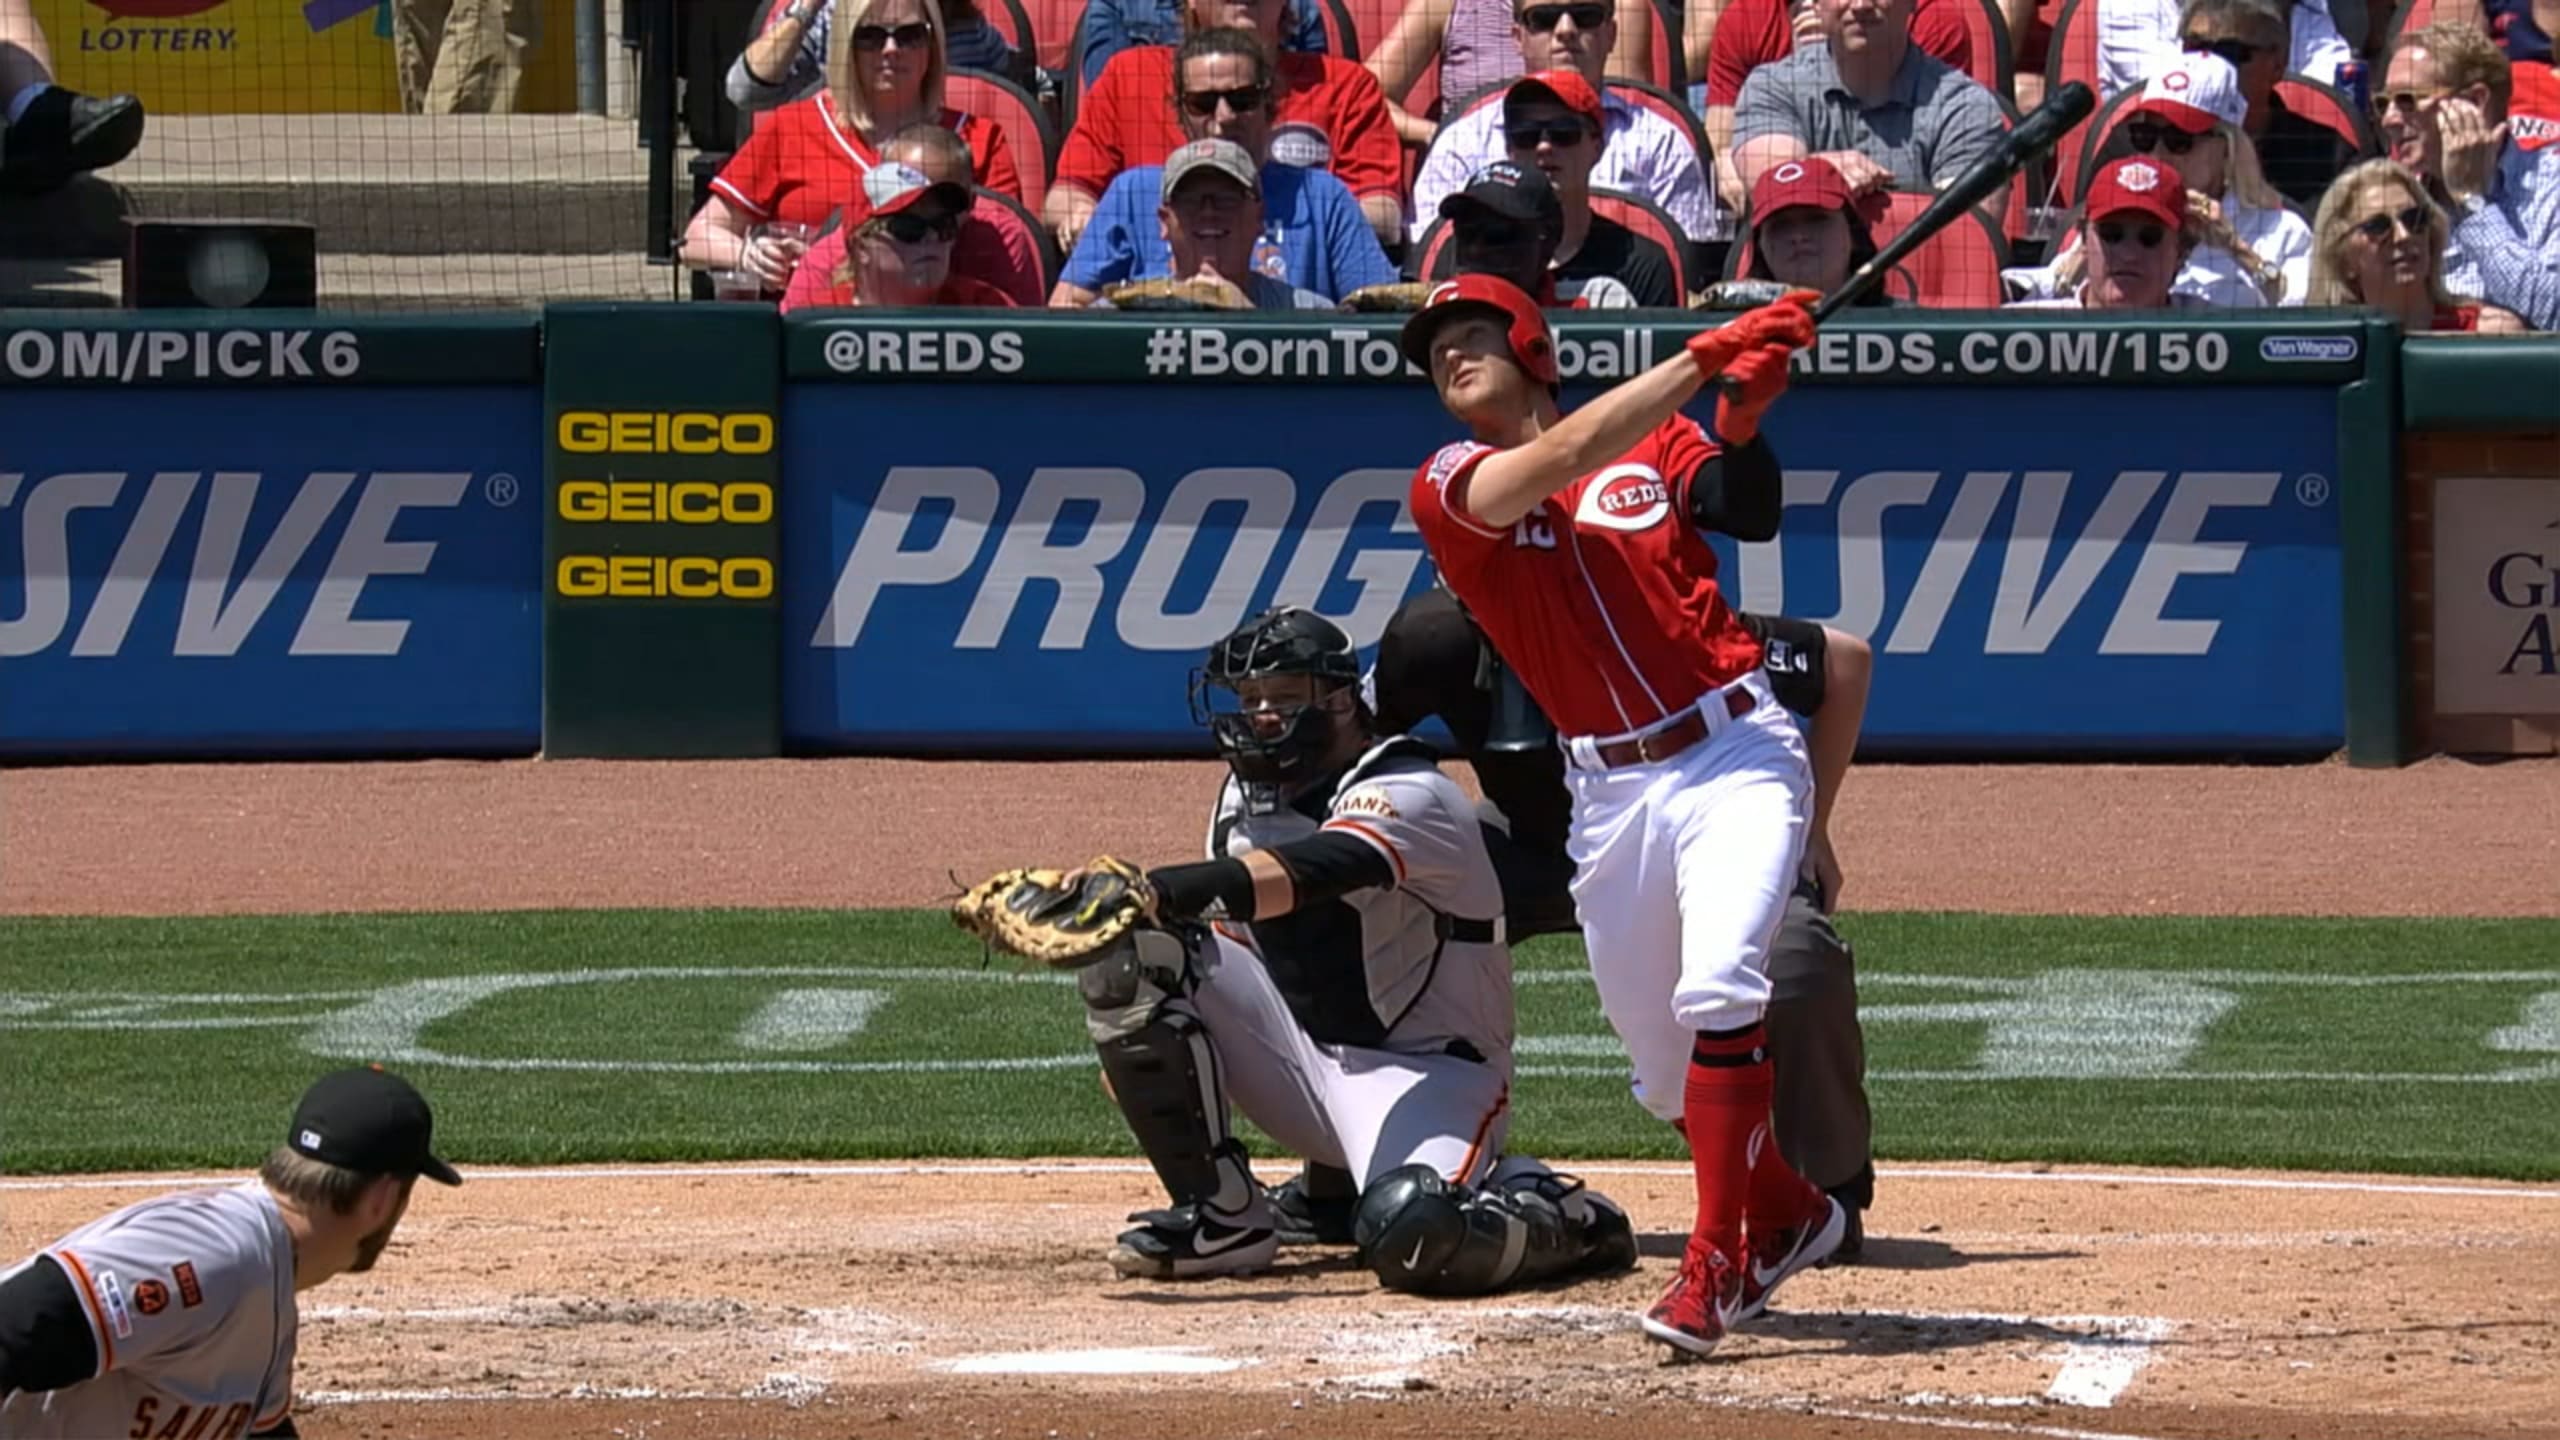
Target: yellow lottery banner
<point>207,57</point>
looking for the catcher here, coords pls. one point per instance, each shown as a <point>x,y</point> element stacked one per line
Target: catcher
<point>1338,966</point>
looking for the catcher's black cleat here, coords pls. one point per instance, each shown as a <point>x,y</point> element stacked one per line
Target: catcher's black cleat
<point>1192,1241</point>
<point>1302,1218</point>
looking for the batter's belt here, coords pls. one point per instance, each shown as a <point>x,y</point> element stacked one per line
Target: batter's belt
<point>1671,739</point>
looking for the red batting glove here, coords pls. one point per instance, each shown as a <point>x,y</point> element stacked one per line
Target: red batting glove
<point>1756,379</point>
<point>1787,321</point>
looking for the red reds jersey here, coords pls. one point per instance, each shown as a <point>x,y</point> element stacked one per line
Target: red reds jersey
<point>802,166</point>
<point>1604,598</point>
<point>2533,116</point>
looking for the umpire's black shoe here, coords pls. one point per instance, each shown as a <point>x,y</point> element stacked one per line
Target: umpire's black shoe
<point>1853,1241</point>
<point>1302,1218</point>
<point>64,133</point>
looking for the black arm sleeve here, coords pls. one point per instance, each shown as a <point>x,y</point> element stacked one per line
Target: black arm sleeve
<point>1794,652</point>
<point>44,1336</point>
<point>1739,491</point>
<point>1322,867</point>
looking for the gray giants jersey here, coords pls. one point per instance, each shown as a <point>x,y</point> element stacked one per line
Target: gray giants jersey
<point>1419,967</point>
<point>190,1300</point>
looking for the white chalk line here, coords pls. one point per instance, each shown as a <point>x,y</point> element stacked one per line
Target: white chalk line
<point>887,1170</point>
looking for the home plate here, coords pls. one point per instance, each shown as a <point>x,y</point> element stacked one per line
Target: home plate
<point>1094,1362</point>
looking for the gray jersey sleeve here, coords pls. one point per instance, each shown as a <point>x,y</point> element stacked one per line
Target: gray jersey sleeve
<point>1421,821</point>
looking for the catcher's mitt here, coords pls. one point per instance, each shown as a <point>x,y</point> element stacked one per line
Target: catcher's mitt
<point>1402,295</point>
<point>1058,917</point>
<point>1200,292</point>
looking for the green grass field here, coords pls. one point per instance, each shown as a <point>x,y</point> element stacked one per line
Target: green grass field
<point>2416,1046</point>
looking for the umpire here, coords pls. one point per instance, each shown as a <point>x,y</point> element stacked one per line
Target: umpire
<point>1433,660</point>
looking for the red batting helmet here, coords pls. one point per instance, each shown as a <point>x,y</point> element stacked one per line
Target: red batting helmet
<point>1531,346</point>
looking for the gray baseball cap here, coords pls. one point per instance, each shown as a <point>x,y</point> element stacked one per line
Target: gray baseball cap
<point>1224,157</point>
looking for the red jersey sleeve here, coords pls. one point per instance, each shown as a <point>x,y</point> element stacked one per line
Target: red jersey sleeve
<point>1367,156</point>
<point>1749,34</point>
<point>752,180</point>
<point>1676,449</point>
<point>813,279</point>
<point>1106,138</point>
<point>994,156</point>
<point>1938,28</point>
<point>1438,502</point>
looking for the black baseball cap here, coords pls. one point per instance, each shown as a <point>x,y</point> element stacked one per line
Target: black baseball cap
<point>370,1120</point>
<point>1510,190</point>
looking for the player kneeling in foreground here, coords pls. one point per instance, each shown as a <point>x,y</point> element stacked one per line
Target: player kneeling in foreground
<point>1352,991</point>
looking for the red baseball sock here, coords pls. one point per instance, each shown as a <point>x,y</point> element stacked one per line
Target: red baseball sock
<point>1725,1103</point>
<point>1779,1197</point>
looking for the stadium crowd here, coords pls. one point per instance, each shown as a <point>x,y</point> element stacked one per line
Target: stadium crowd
<point>1293,154</point>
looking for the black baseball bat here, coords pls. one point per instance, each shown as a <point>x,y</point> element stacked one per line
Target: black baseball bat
<point>2042,128</point>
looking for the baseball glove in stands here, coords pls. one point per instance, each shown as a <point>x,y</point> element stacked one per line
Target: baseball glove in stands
<point>1063,918</point>
<point>1401,295</point>
<point>1200,292</point>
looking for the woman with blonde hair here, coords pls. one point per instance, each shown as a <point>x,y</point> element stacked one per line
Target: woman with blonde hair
<point>886,64</point>
<point>2249,248</point>
<point>2379,241</point>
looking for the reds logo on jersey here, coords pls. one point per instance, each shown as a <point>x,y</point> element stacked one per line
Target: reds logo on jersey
<point>1625,497</point>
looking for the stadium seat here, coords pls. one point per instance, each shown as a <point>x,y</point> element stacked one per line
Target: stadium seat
<point>1051,263</point>
<point>1994,66</point>
<point>2077,155</point>
<point>1670,67</point>
<point>1013,23</point>
<point>2412,15</point>
<point>1647,219</point>
<point>1026,129</point>
<point>1343,34</point>
<point>1957,268</point>
<point>2073,54</point>
<point>1056,22</point>
<point>2313,100</point>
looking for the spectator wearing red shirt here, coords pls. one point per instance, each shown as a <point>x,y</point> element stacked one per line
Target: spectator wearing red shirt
<point>1329,114</point>
<point>995,244</point>
<point>885,69</point>
<point>2379,241</point>
<point>1748,34</point>
<point>901,255</point>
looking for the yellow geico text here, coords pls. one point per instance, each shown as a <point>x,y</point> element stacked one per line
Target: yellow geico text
<point>664,577</point>
<point>664,432</point>
<point>681,502</point>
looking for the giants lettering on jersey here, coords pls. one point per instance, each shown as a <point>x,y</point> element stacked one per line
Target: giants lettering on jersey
<point>186,1422</point>
<point>1603,599</point>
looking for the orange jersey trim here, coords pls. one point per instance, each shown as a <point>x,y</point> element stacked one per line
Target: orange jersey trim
<point>1385,846</point>
<point>97,1312</point>
<point>1484,1128</point>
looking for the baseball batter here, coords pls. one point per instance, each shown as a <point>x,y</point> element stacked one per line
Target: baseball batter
<point>176,1316</point>
<point>1433,660</point>
<point>1576,543</point>
<point>1338,966</point>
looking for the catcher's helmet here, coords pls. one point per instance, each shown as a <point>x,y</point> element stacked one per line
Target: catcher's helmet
<point>1290,741</point>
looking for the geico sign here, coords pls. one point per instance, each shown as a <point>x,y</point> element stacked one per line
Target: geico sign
<point>1028,550</point>
<point>674,577</point>
<point>656,432</point>
<point>2031,572</point>
<point>683,502</point>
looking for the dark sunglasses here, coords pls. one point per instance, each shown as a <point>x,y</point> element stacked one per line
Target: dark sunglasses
<point>874,38</point>
<point>2113,232</point>
<point>2379,228</point>
<point>1204,103</point>
<point>2238,52</point>
<point>1559,133</point>
<point>1492,234</point>
<point>2147,138</point>
<point>909,229</point>
<point>1542,18</point>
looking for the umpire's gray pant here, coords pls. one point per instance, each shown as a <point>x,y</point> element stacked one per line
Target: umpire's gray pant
<point>1818,1054</point>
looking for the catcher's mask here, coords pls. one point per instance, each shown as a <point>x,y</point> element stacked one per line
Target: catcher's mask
<point>1279,745</point>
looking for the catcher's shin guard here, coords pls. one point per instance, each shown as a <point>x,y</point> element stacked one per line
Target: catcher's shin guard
<point>1163,1070</point>
<point>1421,1233</point>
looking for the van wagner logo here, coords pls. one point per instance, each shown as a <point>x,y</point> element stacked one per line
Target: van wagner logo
<point>2283,348</point>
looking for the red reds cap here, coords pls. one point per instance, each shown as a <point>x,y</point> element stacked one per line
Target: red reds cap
<point>1565,87</point>
<point>2142,185</point>
<point>2196,94</point>
<point>1475,294</point>
<point>892,187</point>
<point>1798,182</point>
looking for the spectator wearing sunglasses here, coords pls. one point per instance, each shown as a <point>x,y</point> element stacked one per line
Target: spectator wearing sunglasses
<point>1471,40</point>
<point>2441,111</point>
<point>793,49</point>
<point>884,72</point>
<point>900,253</point>
<point>1325,114</point>
<point>1508,222</point>
<point>1727,47</point>
<point>2138,39</point>
<point>2381,243</point>
<point>1313,235</point>
<point>1879,109</point>
<point>995,244</point>
<point>2250,250</point>
<point>1640,152</point>
<point>1210,219</point>
<point>2133,236</point>
<point>2300,155</point>
<point>1808,232</point>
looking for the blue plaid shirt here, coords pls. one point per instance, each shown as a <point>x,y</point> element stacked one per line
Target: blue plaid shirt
<point>2506,251</point>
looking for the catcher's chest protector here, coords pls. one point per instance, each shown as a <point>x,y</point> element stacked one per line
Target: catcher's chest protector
<point>1415,968</point>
